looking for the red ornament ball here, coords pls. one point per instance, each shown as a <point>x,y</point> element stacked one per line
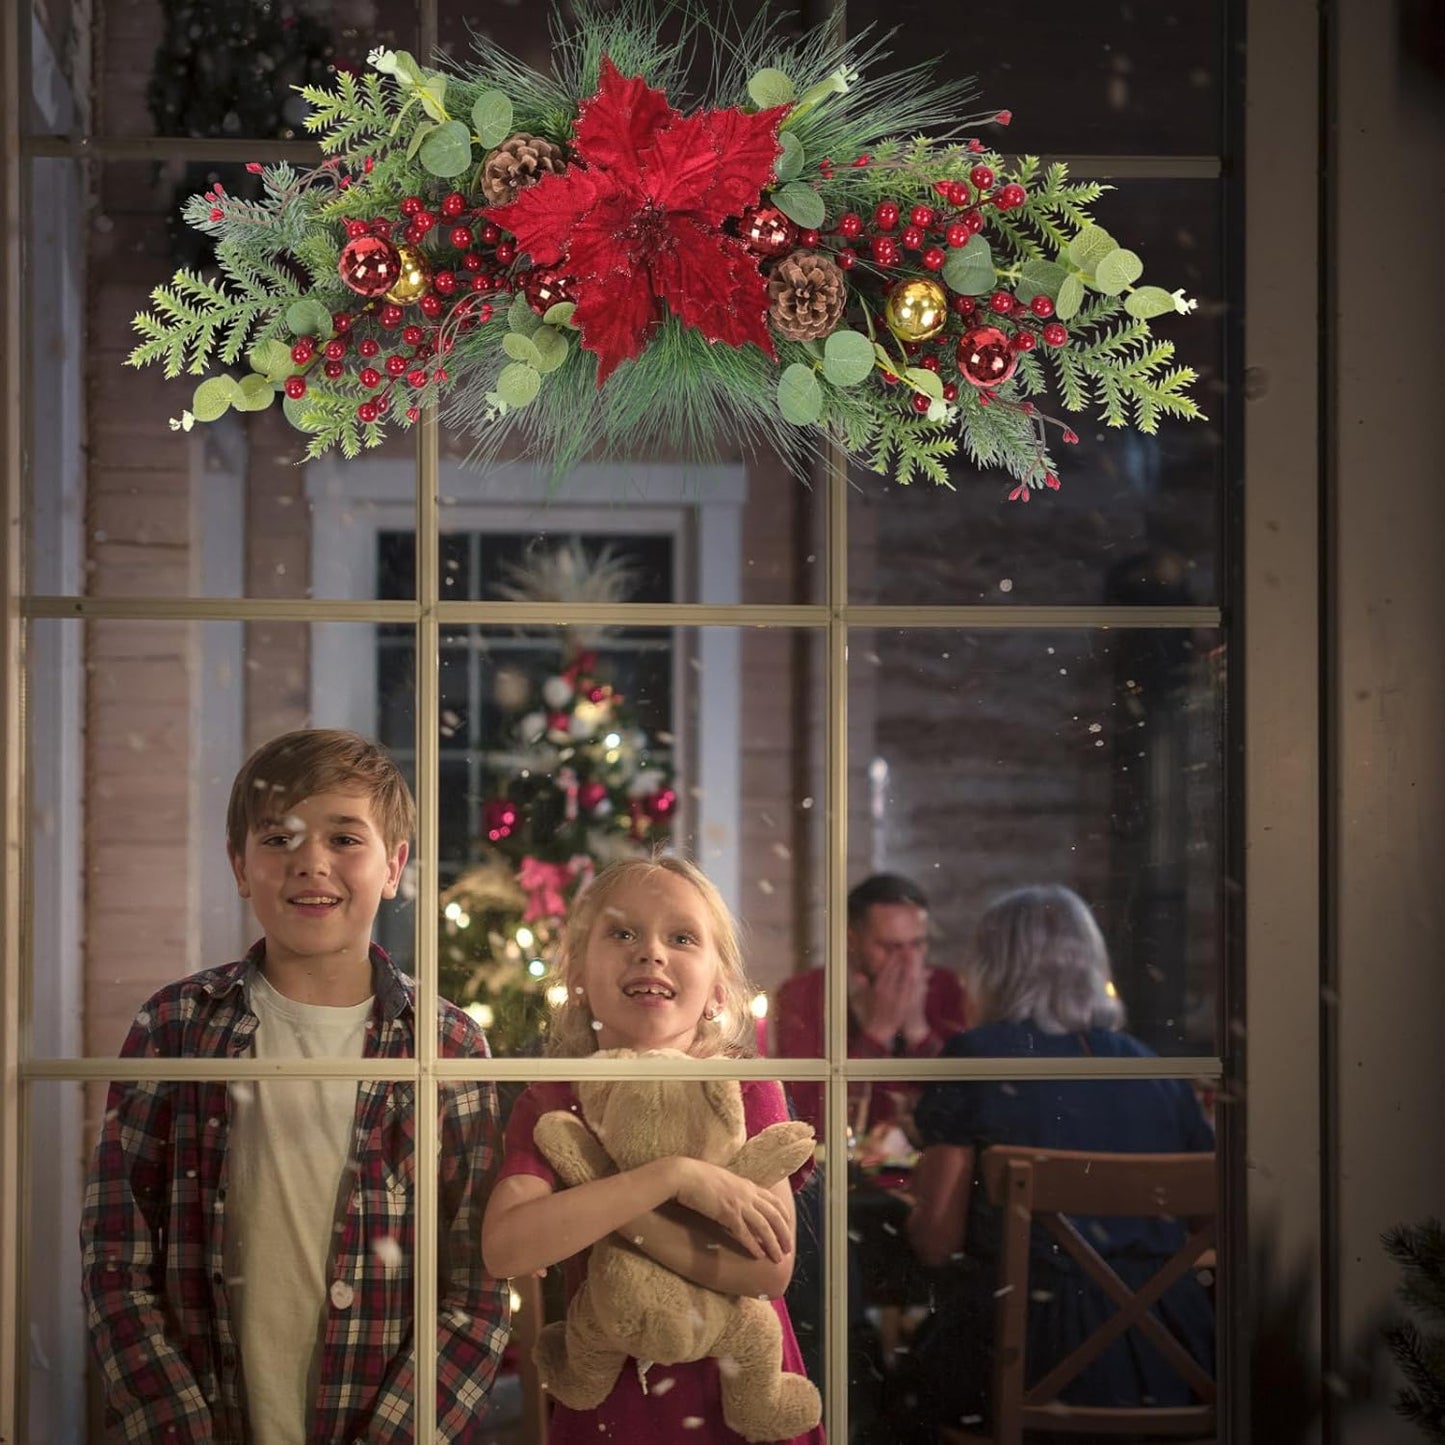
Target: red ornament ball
<point>411,205</point>
<point>431,306</point>
<point>335,349</point>
<point>368,346</point>
<point>369,376</point>
<point>413,335</point>
<point>461,237</point>
<point>1041,306</point>
<point>546,287</point>
<point>303,351</point>
<point>985,357</point>
<point>295,387</point>
<point>1001,302</point>
<point>885,215</point>
<point>921,403</point>
<point>934,258</point>
<point>1010,197</point>
<point>369,265</point>
<point>957,234</point>
<point>982,177</point>
<point>390,316</point>
<point>499,818</point>
<point>847,258</point>
<point>921,216</point>
<point>912,238</point>
<point>1024,340</point>
<point>416,376</point>
<point>334,369</point>
<point>368,411</point>
<point>506,252</point>
<point>766,231</point>
<point>590,794</point>
<point>355,229</point>
<point>341,322</point>
<point>1055,333</point>
<point>444,283</point>
<point>453,205</point>
<point>395,365</point>
<point>661,804</point>
<point>850,224</point>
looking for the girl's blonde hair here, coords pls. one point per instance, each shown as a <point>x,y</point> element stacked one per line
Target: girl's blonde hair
<point>1040,958</point>
<point>730,1033</point>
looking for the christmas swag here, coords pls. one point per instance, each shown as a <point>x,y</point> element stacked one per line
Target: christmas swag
<point>815,251</point>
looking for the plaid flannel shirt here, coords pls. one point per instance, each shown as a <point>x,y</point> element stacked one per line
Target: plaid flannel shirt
<point>154,1221</point>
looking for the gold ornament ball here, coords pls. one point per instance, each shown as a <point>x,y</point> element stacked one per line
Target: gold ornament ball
<point>916,310</point>
<point>414,279</point>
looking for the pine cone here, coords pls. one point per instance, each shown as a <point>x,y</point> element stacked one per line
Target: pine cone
<point>519,161</point>
<point>806,296</point>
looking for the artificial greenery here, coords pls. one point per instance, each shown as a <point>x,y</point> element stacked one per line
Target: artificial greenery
<point>851,134</point>
<point>1419,1250</point>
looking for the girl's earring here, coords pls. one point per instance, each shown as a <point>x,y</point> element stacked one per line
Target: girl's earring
<point>710,1014</point>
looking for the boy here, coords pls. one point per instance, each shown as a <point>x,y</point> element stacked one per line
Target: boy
<point>248,1250</point>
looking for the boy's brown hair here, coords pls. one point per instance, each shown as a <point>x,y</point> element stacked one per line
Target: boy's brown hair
<point>300,764</point>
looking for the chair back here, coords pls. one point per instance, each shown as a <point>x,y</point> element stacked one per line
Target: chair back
<point>1045,1186</point>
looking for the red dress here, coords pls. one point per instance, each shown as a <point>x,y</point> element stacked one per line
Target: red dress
<point>690,1407</point>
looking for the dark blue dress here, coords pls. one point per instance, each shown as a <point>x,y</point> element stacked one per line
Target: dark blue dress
<point>953,1354</point>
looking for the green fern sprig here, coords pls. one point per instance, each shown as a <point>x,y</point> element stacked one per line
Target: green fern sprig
<point>352,114</point>
<point>1127,373</point>
<point>192,317</point>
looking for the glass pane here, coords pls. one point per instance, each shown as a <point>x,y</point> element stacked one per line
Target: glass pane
<point>563,749</point>
<point>1122,78</point>
<point>136,731</point>
<point>984,762</point>
<point>732,531</point>
<point>291,1296</point>
<point>1137,519</point>
<point>933,1265</point>
<point>125,503</point>
<point>196,68</point>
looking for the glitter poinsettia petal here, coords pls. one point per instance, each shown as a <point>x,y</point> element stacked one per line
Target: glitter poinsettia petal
<point>615,321</point>
<point>619,121</point>
<point>715,163</point>
<point>733,307</point>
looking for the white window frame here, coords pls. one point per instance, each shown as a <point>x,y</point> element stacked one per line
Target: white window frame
<point>351,503</point>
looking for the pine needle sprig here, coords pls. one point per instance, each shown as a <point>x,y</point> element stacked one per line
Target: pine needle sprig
<point>1419,1250</point>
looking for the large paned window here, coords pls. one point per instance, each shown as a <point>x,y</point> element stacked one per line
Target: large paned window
<point>842,677</point>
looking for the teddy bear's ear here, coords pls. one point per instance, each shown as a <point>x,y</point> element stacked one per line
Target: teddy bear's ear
<point>725,1099</point>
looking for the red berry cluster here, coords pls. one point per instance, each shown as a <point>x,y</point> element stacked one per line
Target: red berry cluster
<point>928,230</point>
<point>480,266</point>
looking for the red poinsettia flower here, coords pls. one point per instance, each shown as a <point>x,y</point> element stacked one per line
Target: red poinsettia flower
<point>637,218</point>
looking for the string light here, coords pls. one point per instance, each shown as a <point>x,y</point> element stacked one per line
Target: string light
<point>480,1014</point>
<point>525,937</point>
<point>758,1006</point>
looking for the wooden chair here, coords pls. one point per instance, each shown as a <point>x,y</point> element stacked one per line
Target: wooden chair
<point>1045,1186</point>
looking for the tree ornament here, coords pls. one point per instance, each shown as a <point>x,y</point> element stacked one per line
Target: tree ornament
<point>590,794</point>
<point>499,818</point>
<point>806,296</point>
<point>369,265</point>
<point>916,310</point>
<point>985,357</point>
<point>766,231</point>
<point>557,692</point>
<point>545,287</point>
<point>415,276</point>
<point>520,161</point>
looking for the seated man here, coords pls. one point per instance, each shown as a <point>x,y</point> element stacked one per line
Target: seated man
<point>898,1005</point>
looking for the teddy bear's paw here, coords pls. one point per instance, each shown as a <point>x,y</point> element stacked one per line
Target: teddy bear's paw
<point>778,1151</point>
<point>791,1408</point>
<point>582,1382</point>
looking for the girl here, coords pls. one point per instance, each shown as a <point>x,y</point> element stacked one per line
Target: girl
<point>651,960</point>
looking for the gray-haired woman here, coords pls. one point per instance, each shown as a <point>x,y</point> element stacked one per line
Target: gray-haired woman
<point>1042,988</point>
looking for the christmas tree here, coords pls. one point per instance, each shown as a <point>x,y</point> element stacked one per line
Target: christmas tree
<point>586,785</point>
<point>1419,1250</point>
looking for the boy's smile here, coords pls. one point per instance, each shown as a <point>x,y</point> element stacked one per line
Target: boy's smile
<point>315,879</point>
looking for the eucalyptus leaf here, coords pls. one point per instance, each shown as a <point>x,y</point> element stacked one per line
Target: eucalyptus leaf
<point>433,96</point>
<point>771,87</point>
<point>448,150</point>
<point>800,398</point>
<point>800,203</point>
<point>1120,268</point>
<point>272,359</point>
<point>1147,302</point>
<point>551,348</point>
<point>518,383</point>
<point>418,137</point>
<point>492,117</point>
<point>1069,299</point>
<point>522,348</point>
<point>560,313</point>
<point>1038,277</point>
<point>521,317</point>
<point>969,269</point>
<point>835,84</point>
<point>253,393</point>
<point>213,398</point>
<point>300,414</point>
<point>408,70</point>
<point>1090,247</point>
<point>847,358</point>
<point>790,162</point>
<point>308,317</point>
<point>930,383</point>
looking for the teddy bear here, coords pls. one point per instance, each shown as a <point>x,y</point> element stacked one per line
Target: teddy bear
<point>631,1306</point>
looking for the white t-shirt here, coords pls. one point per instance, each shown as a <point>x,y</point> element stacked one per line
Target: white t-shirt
<point>287,1153</point>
